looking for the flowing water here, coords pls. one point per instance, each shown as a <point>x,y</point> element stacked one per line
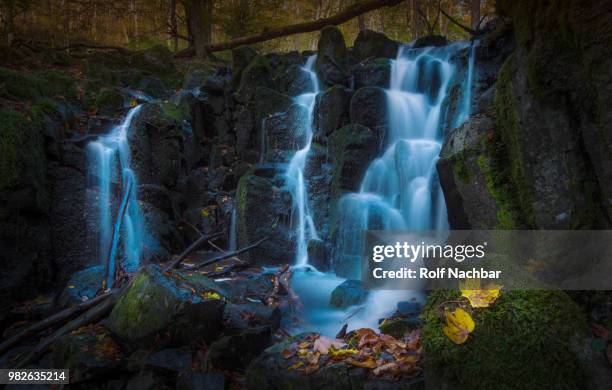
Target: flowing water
<point>120,239</point>
<point>301,217</point>
<point>400,189</point>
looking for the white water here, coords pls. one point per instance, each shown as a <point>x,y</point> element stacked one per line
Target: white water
<point>232,246</point>
<point>400,189</point>
<point>109,164</point>
<point>303,222</point>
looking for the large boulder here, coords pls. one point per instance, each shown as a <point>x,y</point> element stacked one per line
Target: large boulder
<point>372,44</point>
<point>331,111</point>
<point>350,292</point>
<point>466,178</point>
<point>285,133</point>
<point>372,73</point>
<point>332,57</point>
<point>82,286</point>
<point>89,353</point>
<point>156,144</point>
<point>168,308</point>
<point>257,74</point>
<point>508,336</point>
<point>241,58</point>
<point>235,351</point>
<point>294,81</point>
<point>263,205</point>
<point>369,107</point>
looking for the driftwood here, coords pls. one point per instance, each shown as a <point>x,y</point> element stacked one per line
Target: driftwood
<point>347,14</point>
<point>229,254</point>
<point>55,319</point>
<point>195,245</point>
<point>114,238</point>
<point>94,314</point>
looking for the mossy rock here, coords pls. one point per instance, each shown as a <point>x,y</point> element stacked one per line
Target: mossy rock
<point>399,326</point>
<point>372,44</point>
<point>22,162</point>
<point>332,59</point>
<point>177,307</point>
<point>525,339</point>
<point>82,285</point>
<point>109,101</point>
<point>241,58</point>
<point>257,74</point>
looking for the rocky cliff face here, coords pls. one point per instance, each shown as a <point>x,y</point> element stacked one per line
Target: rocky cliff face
<point>541,158</point>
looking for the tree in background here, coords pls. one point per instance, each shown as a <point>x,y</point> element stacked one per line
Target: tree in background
<point>199,22</point>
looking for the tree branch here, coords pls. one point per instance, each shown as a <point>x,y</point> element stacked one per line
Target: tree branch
<point>229,254</point>
<point>349,13</point>
<point>467,29</point>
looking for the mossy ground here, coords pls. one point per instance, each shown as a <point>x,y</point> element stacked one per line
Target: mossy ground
<point>525,340</point>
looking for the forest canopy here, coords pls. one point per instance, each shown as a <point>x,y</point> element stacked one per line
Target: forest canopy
<point>139,24</point>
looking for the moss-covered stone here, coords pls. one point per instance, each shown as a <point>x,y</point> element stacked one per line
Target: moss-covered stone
<point>257,74</point>
<point>109,101</point>
<point>544,328</point>
<point>174,306</point>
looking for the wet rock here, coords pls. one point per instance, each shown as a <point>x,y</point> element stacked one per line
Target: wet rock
<point>240,316</point>
<point>331,111</point>
<point>332,57</point>
<point>372,73</point>
<point>172,310</point>
<point>234,352</point>
<point>241,58</point>
<point>285,133</point>
<point>156,144</point>
<point>82,286</point>
<point>318,254</point>
<point>148,380</point>
<point>399,326</point>
<point>430,40</point>
<point>256,74</point>
<point>169,360</point>
<point>263,210</point>
<point>294,81</point>
<point>349,293</point>
<point>372,44</point>
<point>244,128</point>
<point>109,101</point>
<point>463,170</point>
<point>196,380</point>
<point>89,353</point>
<point>369,107</point>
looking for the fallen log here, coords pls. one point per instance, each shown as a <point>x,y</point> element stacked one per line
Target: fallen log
<point>195,245</point>
<point>347,14</point>
<point>47,323</point>
<point>94,314</point>
<point>229,254</point>
<point>109,270</point>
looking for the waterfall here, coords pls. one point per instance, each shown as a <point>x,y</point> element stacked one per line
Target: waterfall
<point>400,190</point>
<point>109,167</point>
<point>232,233</point>
<point>304,225</point>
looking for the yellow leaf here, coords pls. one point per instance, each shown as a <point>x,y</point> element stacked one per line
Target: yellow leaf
<point>133,103</point>
<point>479,297</point>
<point>459,324</point>
<point>295,366</point>
<point>211,295</point>
<point>341,353</point>
<point>205,212</point>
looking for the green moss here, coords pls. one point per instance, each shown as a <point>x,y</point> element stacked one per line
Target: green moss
<point>109,101</point>
<point>460,169</point>
<point>177,113</point>
<point>34,86</point>
<point>544,328</point>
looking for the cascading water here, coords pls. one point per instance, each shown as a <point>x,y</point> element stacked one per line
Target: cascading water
<point>109,166</point>
<point>400,190</point>
<point>304,225</point>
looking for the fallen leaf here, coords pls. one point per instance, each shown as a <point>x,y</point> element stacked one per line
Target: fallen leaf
<point>295,366</point>
<point>479,297</point>
<point>369,362</point>
<point>459,324</point>
<point>322,344</point>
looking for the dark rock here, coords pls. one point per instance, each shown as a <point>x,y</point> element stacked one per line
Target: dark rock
<point>332,57</point>
<point>372,44</point>
<point>240,316</point>
<point>241,58</point>
<point>409,308</point>
<point>331,111</point>
<point>294,81</point>
<point>156,144</point>
<point>372,73</point>
<point>234,352</point>
<point>172,360</point>
<point>256,74</point>
<point>263,210</point>
<point>318,254</point>
<point>399,326</point>
<point>195,380</point>
<point>82,286</point>
<point>89,353</point>
<point>148,380</point>
<point>109,101</point>
<point>369,107</point>
<point>463,176</point>
<point>285,133</point>
<point>244,128</point>
<point>165,310</point>
<point>349,293</point>
<point>430,40</point>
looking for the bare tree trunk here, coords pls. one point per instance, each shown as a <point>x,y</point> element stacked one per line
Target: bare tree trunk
<point>415,18</point>
<point>475,13</point>
<point>173,24</point>
<point>199,19</point>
